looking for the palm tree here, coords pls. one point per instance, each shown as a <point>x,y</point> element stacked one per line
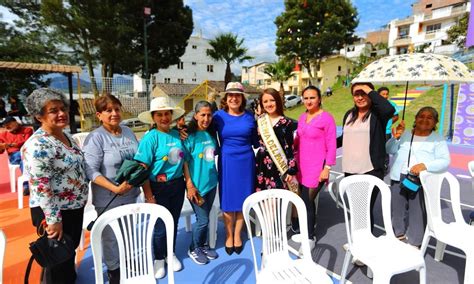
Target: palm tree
<point>226,47</point>
<point>280,71</point>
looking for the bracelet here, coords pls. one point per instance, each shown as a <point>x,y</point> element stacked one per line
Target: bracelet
<point>327,167</point>
<point>150,198</point>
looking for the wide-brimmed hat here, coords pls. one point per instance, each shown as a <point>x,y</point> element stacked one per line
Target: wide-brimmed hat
<point>234,88</point>
<point>160,103</point>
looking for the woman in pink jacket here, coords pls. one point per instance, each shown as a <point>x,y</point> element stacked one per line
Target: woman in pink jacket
<point>315,147</point>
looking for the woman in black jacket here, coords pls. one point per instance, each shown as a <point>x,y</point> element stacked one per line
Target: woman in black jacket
<point>363,138</point>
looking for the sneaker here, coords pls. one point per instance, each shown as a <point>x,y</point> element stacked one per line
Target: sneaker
<point>345,247</point>
<point>177,266</point>
<point>210,253</point>
<point>358,263</point>
<point>159,268</point>
<point>198,256</point>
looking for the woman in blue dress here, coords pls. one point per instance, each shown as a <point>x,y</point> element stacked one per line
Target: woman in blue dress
<point>237,133</point>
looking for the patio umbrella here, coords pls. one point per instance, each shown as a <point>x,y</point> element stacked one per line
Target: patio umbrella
<point>425,68</point>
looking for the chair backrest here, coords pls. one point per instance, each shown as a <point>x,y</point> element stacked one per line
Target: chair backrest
<point>358,189</point>
<point>3,244</point>
<point>79,138</point>
<point>270,207</point>
<point>133,226</point>
<point>432,184</point>
<point>470,167</point>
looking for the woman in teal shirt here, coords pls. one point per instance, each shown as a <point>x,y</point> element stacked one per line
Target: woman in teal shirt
<point>201,179</point>
<point>162,151</point>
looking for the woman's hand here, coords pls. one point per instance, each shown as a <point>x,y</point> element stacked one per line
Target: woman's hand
<point>123,188</point>
<point>398,131</point>
<point>324,175</point>
<point>55,231</point>
<point>365,88</point>
<point>183,133</point>
<point>416,169</point>
<point>150,199</point>
<point>192,194</point>
<point>288,178</point>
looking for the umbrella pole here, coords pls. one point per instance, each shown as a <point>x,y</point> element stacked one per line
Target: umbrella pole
<point>405,102</point>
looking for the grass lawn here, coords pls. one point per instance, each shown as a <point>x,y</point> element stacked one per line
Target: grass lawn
<point>341,101</point>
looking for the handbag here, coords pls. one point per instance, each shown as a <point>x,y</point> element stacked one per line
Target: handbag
<point>48,252</point>
<point>410,182</point>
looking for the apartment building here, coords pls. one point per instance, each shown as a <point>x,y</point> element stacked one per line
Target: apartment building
<point>194,67</point>
<point>427,26</point>
<point>254,75</point>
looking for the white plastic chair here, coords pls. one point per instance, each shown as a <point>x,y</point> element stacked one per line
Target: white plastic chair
<point>12,172</point>
<point>3,244</point>
<point>470,167</point>
<point>385,255</point>
<point>133,226</point>
<point>21,180</point>
<point>89,215</point>
<point>271,207</point>
<point>79,138</point>
<point>458,233</point>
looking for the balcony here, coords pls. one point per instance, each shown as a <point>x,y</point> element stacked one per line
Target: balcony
<point>402,40</point>
<point>403,22</point>
<point>430,35</point>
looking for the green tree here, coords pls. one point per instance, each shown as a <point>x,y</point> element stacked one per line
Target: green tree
<point>312,29</point>
<point>111,33</point>
<point>280,71</point>
<point>457,33</point>
<point>228,48</point>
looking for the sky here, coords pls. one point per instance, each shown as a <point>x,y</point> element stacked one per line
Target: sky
<point>253,20</point>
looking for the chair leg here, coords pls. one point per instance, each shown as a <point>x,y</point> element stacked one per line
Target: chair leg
<point>425,242</point>
<point>213,228</point>
<point>20,192</point>
<point>188,223</point>
<point>422,275</point>
<point>370,273</point>
<point>345,266</point>
<point>439,253</point>
<point>469,270</point>
<point>81,242</point>
<point>12,178</point>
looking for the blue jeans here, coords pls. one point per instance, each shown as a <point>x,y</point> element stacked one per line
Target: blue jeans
<point>170,195</point>
<point>199,237</point>
<point>15,159</point>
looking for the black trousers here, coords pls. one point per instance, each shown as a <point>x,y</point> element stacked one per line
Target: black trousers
<point>376,173</point>
<point>308,195</point>
<point>72,226</point>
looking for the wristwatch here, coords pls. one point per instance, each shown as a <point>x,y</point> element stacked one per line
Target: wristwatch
<point>327,167</point>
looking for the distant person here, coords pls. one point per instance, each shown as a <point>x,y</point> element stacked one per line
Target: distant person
<point>12,140</point>
<point>16,107</point>
<point>3,110</point>
<point>328,92</point>
<point>384,92</point>
<point>211,98</point>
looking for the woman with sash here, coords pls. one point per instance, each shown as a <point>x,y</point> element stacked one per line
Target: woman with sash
<point>275,162</point>
<point>315,151</point>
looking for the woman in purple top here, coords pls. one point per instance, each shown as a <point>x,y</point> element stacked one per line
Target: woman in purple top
<point>315,146</point>
<point>237,132</point>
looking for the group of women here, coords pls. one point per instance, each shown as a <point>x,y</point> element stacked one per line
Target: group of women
<point>182,162</point>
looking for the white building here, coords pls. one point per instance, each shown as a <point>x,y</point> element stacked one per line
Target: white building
<point>194,67</point>
<point>255,76</point>
<point>353,51</point>
<point>427,27</point>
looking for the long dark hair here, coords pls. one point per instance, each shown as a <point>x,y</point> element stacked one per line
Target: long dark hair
<point>276,96</point>
<point>354,111</point>
<point>192,125</point>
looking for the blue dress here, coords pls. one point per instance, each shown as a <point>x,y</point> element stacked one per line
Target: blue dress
<point>236,163</point>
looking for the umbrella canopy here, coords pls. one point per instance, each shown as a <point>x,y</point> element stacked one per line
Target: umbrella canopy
<point>424,68</point>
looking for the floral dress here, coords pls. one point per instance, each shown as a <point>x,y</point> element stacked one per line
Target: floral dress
<point>268,175</point>
<point>57,175</point>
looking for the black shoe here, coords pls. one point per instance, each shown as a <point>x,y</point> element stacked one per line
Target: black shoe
<point>295,225</point>
<point>239,249</point>
<point>26,191</point>
<point>229,250</point>
<point>114,276</point>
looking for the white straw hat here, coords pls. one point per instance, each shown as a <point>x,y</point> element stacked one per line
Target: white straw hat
<point>160,103</point>
<point>234,88</point>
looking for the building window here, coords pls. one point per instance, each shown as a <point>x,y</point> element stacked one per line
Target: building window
<point>403,31</point>
<point>339,68</point>
<point>180,65</point>
<point>194,79</point>
<point>210,68</point>
<point>167,80</point>
<point>180,81</point>
<point>428,6</point>
<point>195,47</point>
<point>433,28</point>
<point>193,63</point>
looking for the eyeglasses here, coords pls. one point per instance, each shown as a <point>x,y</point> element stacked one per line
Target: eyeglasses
<point>359,93</point>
